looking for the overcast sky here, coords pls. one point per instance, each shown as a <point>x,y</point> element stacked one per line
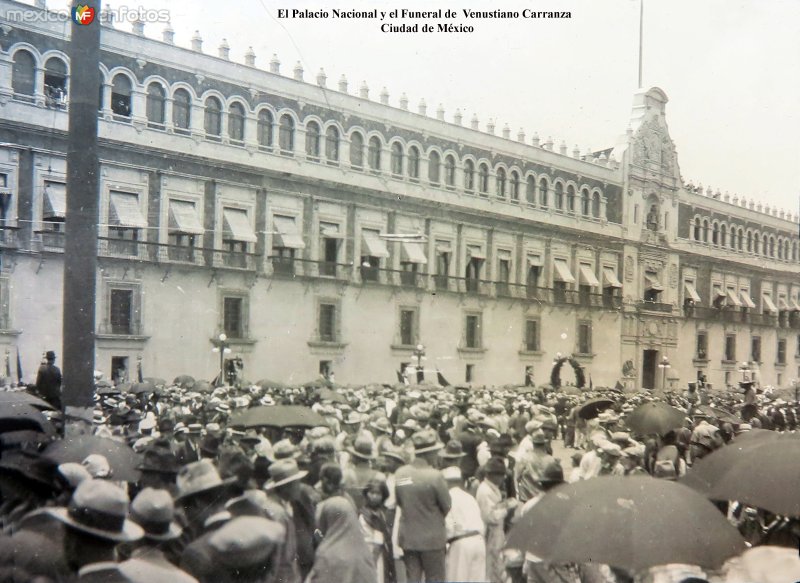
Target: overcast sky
<point>731,69</point>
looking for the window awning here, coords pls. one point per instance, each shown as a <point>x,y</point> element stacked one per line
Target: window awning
<point>237,227</point>
<point>588,277</point>
<point>413,253</point>
<point>562,271</point>
<point>330,231</point>
<point>718,293</point>
<point>795,306</point>
<point>690,290</point>
<point>746,299</point>
<point>443,247</point>
<point>783,305</point>
<point>610,278</point>
<point>652,283</point>
<point>55,200</point>
<point>286,233</point>
<point>475,252</point>
<point>733,300</point>
<point>504,254</point>
<point>769,305</point>
<point>372,245</point>
<point>125,211</point>
<point>183,218</point>
<point>535,260</point>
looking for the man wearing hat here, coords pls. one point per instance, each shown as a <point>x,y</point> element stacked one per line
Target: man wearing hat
<point>96,522</point>
<point>201,493</point>
<point>529,469</point>
<point>424,500</point>
<point>495,509</point>
<point>48,381</point>
<point>466,553</point>
<point>360,471</point>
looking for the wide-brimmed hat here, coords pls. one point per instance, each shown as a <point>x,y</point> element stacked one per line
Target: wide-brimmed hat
<point>363,446</point>
<point>99,508</point>
<point>425,441</point>
<point>284,449</point>
<point>494,465</point>
<point>501,443</point>
<point>538,437</point>
<point>353,418</point>
<point>607,417</point>
<point>611,449</point>
<point>533,425</point>
<point>453,450</point>
<point>282,472</point>
<point>159,459</point>
<point>553,473</point>
<point>383,425</point>
<point>198,477</point>
<point>247,541</point>
<point>154,511</point>
<point>394,452</point>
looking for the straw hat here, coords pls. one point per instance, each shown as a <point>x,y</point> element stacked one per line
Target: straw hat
<point>198,477</point>
<point>154,511</point>
<point>283,472</point>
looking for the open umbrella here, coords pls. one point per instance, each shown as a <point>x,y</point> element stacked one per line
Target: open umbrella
<point>159,382</point>
<point>280,416</point>
<point>719,414</point>
<point>23,416</point>
<point>144,387</point>
<point>326,394</point>
<point>121,458</point>
<point>184,381</point>
<point>644,522</point>
<point>103,384</point>
<point>318,383</point>
<point>203,387</point>
<point>25,397</point>
<point>270,384</point>
<point>762,472</point>
<point>593,407</point>
<point>655,418</point>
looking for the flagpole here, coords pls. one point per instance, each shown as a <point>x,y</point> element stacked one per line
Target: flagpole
<point>641,38</point>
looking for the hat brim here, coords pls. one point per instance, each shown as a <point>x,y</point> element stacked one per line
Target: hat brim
<point>394,456</point>
<point>152,470</point>
<point>221,485</point>
<point>130,530</point>
<point>428,448</point>
<point>387,431</point>
<point>452,456</point>
<point>353,452</point>
<point>295,455</point>
<point>174,532</point>
<point>270,485</point>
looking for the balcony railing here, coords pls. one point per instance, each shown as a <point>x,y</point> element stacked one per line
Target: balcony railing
<point>52,240</point>
<point>132,328</point>
<point>654,306</point>
<point>735,316</point>
<point>9,236</point>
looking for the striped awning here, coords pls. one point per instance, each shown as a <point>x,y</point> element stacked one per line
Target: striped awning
<point>286,233</point>
<point>183,218</point>
<point>55,200</point>
<point>588,277</point>
<point>562,272</point>
<point>237,226</point>
<point>769,305</point>
<point>413,252</point>
<point>691,291</point>
<point>125,211</point>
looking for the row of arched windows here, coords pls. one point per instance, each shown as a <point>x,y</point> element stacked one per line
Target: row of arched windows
<point>364,153</point>
<point>740,239</point>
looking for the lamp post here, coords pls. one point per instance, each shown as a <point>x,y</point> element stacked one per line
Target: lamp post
<point>221,345</point>
<point>419,355</point>
<point>664,365</point>
<point>746,370</point>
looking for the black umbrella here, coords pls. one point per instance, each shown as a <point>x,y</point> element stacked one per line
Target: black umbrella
<point>631,522</point>
<point>144,387</point>
<point>280,416</point>
<point>121,458</point>
<point>326,394</point>
<point>25,397</point>
<point>270,384</point>
<point>719,414</point>
<point>655,418</point>
<point>184,381</point>
<point>593,407</point>
<point>23,416</point>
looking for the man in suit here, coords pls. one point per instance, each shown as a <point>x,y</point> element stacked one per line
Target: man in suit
<point>424,501</point>
<point>48,381</point>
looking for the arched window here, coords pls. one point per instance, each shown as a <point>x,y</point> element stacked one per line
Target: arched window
<point>558,195</point>
<point>543,192</point>
<point>121,95</point>
<point>469,175</point>
<point>156,101</point>
<point>55,82</point>
<point>749,242</point>
<point>374,153</point>
<point>596,206</point>
<point>332,144</point>
<point>501,183</point>
<point>697,229</point>
<point>780,249</point>
<point>786,250</point>
<point>236,117</point>
<point>585,202</point>
<point>794,251</point>
<point>571,198</point>
<point>732,238</point>
<point>530,191</point>
<point>771,246</point>
<point>706,229</point>
<point>434,167</point>
<point>213,117</point>
<point>23,75</point>
<point>312,140</point>
<point>483,178</point>
<point>715,234</point>
<point>450,171</point>
<point>514,186</point>
<point>397,159</point>
<point>357,150</point>
<point>723,234</point>
<point>741,239</point>
<point>181,110</point>
<point>413,162</point>
<point>286,133</point>
<point>102,92</point>
<point>265,124</point>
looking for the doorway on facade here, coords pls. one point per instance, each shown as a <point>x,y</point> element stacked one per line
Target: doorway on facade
<point>649,366</point>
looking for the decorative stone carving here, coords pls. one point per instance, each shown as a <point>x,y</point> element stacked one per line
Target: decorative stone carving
<point>673,276</point>
<point>629,269</point>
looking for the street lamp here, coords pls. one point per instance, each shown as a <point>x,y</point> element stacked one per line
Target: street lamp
<point>664,366</point>
<point>419,355</point>
<point>745,370</point>
<point>221,345</point>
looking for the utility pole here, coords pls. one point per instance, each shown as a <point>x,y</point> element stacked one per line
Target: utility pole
<point>80,246</point>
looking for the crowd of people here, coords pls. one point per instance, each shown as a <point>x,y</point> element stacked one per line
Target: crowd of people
<point>393,484</point>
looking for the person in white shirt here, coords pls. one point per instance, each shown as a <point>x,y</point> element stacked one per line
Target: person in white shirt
<point>466,551</point>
